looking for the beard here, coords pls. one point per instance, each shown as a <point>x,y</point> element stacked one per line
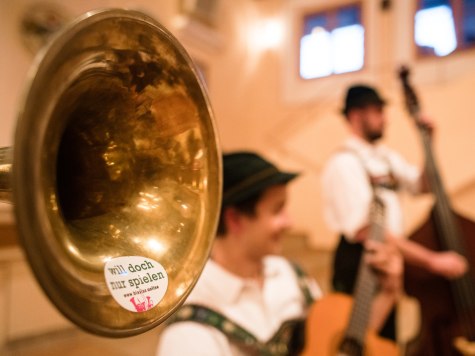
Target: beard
<point>370,134</point>
<point>373,136</point>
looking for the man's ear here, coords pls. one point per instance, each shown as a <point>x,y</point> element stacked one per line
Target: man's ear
<point>232,219</point>
<point>355,118</point>
<point>354,114</point>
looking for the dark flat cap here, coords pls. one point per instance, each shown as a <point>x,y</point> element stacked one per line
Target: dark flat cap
<point>360,96</point>
<point>246,174</point>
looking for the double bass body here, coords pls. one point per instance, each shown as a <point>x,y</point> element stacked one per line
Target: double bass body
<point>447,307</point>
<point>441,323</point>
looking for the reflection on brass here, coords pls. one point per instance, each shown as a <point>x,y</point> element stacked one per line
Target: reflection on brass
<point>115,154</point>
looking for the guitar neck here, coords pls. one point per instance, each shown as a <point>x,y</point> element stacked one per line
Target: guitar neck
<point>366,283</point>
<point>365,290</point>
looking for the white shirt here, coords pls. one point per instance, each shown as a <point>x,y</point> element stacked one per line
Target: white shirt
<point>260,310</point>
<point>347,193</point>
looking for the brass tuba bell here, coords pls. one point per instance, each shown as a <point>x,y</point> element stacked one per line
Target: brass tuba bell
<point>115,174</point>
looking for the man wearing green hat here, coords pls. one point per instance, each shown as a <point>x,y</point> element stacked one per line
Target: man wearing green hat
<point>248,300</point>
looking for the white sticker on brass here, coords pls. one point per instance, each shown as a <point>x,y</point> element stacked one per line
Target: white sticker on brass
<point>136,283</point>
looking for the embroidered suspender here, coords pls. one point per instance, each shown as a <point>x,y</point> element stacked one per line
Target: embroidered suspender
<point>301,277</point>
<point>203,315</point>
<point>277,345</point>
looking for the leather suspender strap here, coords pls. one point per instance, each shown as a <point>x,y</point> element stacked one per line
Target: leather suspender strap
<point>207,316</point>
<point>302,280</point>
<point>387,181</point>
<point>277,345</point>
<point>242,338</point>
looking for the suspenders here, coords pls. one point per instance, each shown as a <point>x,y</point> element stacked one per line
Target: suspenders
<point>236,334</point>
<point>347,255</point>
<point>387,181</point>
<point>277,345</point>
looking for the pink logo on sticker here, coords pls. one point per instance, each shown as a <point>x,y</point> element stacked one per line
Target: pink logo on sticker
<point>140,304</point>
<point>137,283</point>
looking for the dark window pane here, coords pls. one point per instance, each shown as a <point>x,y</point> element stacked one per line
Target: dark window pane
<point>468,22</point>
<point>425,4</point>
<point>310,22</point>
<point>348,16</point>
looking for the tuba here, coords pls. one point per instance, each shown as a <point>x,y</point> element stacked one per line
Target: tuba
<point>115,173</point>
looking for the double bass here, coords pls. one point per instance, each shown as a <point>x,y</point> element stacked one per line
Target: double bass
<point>447,306</point>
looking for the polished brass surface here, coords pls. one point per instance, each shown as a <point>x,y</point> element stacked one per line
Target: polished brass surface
<point>115,154</point>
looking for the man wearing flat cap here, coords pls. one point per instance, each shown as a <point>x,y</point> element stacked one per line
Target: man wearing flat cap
<point>248,300</point>
<point>246,292</point>
<point>360,169</point>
